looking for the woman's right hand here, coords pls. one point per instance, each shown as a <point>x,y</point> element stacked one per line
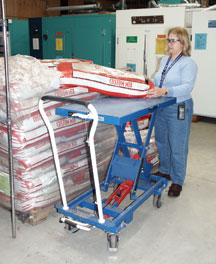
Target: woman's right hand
<point>157,92</point>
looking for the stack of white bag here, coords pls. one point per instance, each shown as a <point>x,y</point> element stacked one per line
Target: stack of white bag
<point>36,183</point>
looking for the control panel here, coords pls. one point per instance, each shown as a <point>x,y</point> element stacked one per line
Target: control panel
<point>147,20</point>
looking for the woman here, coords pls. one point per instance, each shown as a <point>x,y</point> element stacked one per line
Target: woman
<point>175,78</point>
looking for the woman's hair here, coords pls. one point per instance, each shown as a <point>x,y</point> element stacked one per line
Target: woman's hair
<point>184,38</point>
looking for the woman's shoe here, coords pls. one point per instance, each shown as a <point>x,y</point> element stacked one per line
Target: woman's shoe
<point>167,176</point>
<point>174,190</point>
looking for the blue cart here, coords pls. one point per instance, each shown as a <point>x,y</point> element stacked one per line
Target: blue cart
<point>128,176</point>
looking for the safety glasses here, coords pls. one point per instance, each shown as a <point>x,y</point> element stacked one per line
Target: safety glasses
<point>172,40</point>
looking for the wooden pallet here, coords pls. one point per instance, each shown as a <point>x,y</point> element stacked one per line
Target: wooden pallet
<point>35,216</point>
<point>39,215</point>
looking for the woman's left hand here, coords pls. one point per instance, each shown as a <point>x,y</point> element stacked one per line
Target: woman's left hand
<point>156,92</point>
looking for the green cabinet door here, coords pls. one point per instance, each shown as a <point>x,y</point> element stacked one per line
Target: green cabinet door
<point>89,37</point>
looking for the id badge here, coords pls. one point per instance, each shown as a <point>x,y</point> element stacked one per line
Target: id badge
<point>181,111</point>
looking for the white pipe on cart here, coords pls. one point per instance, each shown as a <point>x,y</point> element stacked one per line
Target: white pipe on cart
<point>79,225</point>
<point>94,116</point>
<point>94,163</point>
<point>55,154</point>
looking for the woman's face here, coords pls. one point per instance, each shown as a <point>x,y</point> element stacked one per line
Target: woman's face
<point>174,45</point>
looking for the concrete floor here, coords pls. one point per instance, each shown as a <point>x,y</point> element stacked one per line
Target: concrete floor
<point>182,231</point>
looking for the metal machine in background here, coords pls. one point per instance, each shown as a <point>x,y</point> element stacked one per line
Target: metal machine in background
<point>90,37</point>
<point>203,52</point>
<point>2,44</point>
<point>141,42</point>
<point>18,37</point>
<point>35,35</point>
<point>141,36</point>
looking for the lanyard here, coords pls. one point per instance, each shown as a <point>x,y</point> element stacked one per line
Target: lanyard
<point>166,69</point>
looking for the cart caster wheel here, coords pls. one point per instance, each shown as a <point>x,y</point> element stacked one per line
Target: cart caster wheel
<point>157,200</point>
<point>70,228</point>
<point>113,241</point>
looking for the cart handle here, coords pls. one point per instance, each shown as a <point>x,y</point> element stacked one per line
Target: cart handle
<point>64,100</point>
<point>92,115</point>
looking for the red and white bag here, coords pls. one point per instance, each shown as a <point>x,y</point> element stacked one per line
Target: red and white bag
<point>105,80</point>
